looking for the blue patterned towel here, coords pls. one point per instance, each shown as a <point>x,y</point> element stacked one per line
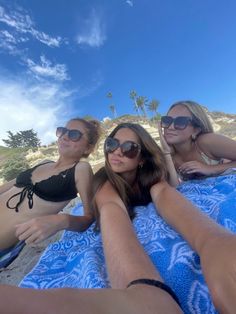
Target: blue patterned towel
<point>77,260</point>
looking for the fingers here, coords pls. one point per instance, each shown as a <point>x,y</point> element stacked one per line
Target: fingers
<point>190,167</point>
<point>29,232</point>
<point>159,127</point>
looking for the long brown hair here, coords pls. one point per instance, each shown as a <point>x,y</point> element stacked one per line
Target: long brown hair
<point>153,170</point>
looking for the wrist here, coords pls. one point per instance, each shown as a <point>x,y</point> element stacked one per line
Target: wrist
<point>64,221</point>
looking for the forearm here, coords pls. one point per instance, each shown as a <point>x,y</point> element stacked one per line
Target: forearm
<point>125,257</point>
<point>183,216</point>
<point>217,169</point>
<point>38,302</point>
<point>173,179</point>
<point>75,223</point>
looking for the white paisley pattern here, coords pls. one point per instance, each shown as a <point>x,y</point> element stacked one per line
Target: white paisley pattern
<point>77,260</point>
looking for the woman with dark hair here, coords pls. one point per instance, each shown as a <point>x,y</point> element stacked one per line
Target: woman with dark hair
<point>133,188</point>
<point>30,203</point>
<point>190,146</point>
<point>137,286</point>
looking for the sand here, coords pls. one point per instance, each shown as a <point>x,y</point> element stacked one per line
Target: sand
<point>29,256</point>
<point>24,262</point>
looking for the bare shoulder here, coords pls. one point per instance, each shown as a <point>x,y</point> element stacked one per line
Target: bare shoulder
<point>158,187</point>
<point>83,170</point>
<point>45,161</point>
<point>107,194</point>
<point>212,139</point>
<point>83,166</point>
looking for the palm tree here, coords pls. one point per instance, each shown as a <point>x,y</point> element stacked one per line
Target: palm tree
<point>141,102</point>
<point>113,110</point>
<point>112,106</point>
<point>153,105</point>
<point>133,96</point>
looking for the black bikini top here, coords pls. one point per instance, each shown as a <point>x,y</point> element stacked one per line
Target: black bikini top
<point>57,188</point>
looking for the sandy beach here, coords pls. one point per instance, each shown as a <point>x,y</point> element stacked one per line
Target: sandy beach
<point>29,256</point>
<point>26,260</point>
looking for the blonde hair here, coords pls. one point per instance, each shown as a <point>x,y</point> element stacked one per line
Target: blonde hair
<point>199,115</point>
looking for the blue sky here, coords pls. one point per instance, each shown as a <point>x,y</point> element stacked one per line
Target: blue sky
<point>60,58</point>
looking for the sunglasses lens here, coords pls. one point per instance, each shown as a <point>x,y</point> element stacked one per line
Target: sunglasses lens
<point>181,123</point>
<point>129,149</point>
<point>74,135</point>
<point>60,131</point>
<point>166,121</point>
<point>111,144</point>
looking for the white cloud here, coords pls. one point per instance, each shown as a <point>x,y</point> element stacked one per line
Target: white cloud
<point>9,43</point>
<point>130,3</point>
<point>92,31</point>
<point>47,70</point>
<point>21,23</point>
<point>25,106</point>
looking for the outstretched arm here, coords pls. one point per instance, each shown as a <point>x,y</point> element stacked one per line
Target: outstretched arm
<point>215,246</point>
<point>117,229</point>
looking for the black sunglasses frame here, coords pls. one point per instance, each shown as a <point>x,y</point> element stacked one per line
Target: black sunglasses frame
<point>74,135</point>
<point>180,123</point>
<point>128,149</point>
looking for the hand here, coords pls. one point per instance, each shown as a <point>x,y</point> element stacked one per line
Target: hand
<point>38,229</point>
<point>165,147</point>
<point>195,167</point>
<point>218,261</point>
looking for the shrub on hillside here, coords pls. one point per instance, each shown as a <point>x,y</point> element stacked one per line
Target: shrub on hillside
<point>13,166</point>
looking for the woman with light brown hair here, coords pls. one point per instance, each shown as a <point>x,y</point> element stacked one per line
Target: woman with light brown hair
<point>31,202</point>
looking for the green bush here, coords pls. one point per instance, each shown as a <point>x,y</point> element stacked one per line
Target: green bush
<point>13,166</point>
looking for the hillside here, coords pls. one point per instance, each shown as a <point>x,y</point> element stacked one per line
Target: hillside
<point>222,123</point>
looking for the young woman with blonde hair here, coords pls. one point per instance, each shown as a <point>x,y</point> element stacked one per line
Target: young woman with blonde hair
<point>192,150</point>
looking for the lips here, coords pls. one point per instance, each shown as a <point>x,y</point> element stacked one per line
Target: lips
<point>170,134</point>
<point>114,161</point>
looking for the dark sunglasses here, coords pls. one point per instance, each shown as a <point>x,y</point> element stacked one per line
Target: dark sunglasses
<point>180,123</point>
<point>73,135</point>
<point>128,148</point>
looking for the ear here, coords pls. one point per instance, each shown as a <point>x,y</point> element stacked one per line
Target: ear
<point>195,134</point>
<point>141,163</point>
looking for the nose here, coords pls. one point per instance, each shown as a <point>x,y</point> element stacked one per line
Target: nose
<point>65,136</point>
<point>117,151</point>
<point>171,126</point>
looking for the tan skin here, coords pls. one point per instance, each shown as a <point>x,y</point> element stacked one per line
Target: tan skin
<point>186,157</point>
<point>119,240</point>
<point>36,224</point>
